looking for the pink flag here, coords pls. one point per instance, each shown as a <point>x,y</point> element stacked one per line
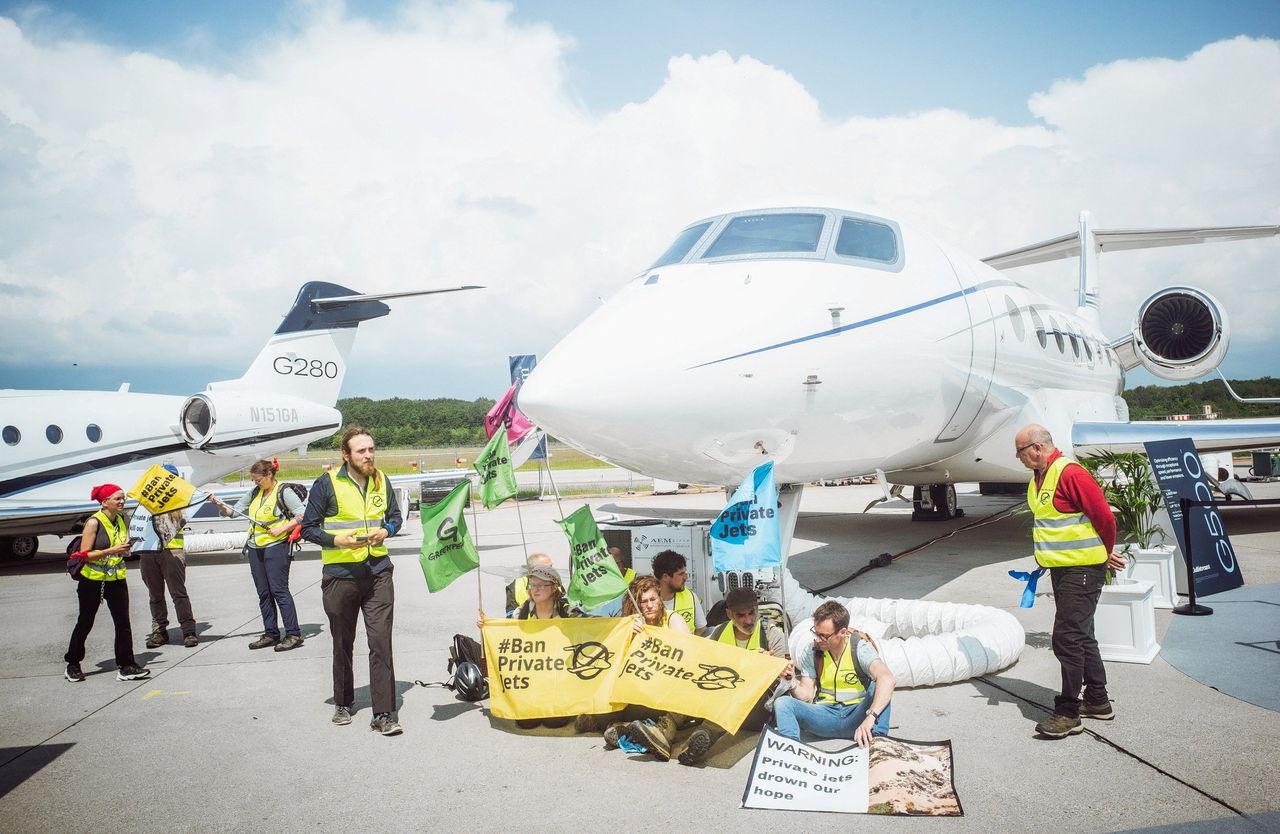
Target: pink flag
<point>504,412</point>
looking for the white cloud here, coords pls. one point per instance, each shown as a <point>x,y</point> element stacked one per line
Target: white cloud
<point>447,148</point>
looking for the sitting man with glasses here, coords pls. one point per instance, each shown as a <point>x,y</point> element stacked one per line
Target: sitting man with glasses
<point>844,687</point>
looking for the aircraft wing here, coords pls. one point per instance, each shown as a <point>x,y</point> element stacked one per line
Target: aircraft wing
<point>1115,240</point>
<point>1208,435</point>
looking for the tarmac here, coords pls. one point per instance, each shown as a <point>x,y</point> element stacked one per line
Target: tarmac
<point>221,738</point>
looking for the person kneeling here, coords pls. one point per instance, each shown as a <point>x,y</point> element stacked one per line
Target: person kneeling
<point>844,688</point>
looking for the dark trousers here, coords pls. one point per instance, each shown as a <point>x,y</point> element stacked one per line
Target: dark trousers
<point>161,568</point>
<point>270,568</point>
<point>344,600</point>
<point>1075,595</point>
<point>91,593</point>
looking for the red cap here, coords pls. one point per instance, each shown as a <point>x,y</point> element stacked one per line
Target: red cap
<point>102,493</point>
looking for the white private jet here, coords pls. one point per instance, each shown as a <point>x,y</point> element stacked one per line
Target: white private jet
<point>58,444</point>
<point>838,344</point>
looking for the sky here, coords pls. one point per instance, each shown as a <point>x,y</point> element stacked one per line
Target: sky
<point>171,172</point>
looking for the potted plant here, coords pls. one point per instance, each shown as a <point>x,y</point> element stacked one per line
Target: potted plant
<point>1124,623</point>
<point>1131,491</point>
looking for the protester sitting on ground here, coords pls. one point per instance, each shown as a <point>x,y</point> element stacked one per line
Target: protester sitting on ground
<point>747,631</point>
<point>613,608</point>
<point>653,729</point>
<point>270,554</point>
<point>104,544</point>
<point>844,688</point>
<point>672,573</point>
<point>518,589</point>
<point>546,601</point>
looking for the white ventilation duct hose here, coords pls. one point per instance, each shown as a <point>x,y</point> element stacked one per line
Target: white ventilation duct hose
<point>923,642</point>
<point>212,542</point>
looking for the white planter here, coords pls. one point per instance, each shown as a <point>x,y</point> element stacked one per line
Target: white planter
<point>1159,566</point>
<point>1125,623</point>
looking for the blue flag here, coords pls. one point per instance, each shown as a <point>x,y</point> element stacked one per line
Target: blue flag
<point>745,535</point>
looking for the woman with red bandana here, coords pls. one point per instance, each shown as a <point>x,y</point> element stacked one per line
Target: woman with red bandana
<point>103,546</point>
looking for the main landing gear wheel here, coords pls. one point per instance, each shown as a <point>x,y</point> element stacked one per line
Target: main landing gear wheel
<point>936,502</point>
<point>19,547</point>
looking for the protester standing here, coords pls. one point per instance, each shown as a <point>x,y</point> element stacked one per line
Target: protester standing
<point>104,544</point>
<point>350,513</point>
<point>1074,535</point>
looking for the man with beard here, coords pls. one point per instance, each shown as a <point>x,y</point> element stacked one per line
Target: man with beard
<point>350,513</point>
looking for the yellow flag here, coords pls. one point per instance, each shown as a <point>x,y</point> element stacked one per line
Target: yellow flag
<point>547,668</point>
<point>690,675</point>
<point>160,491</point>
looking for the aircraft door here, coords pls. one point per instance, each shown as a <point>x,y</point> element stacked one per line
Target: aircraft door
<point>982,353</point>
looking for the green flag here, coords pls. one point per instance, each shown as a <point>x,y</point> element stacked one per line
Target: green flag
<point>497,478</point>
<point>447,549</point>
<point>596,578</point>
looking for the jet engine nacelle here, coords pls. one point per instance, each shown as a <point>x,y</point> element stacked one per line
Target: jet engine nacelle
<point>215,419</point>
<point>1180,333</point>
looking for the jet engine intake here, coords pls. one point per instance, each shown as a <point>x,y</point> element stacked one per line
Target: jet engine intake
<point>229,421</point>
<point>1180,333</point>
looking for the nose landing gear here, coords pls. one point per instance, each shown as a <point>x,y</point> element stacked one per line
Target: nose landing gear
<point>936,502</point>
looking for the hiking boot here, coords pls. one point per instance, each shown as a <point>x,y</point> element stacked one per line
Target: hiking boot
<point>190,641</point>
<point>696,747</point>
<point>1102,712</point>
<point>73,673</point>
<point>655,734</point>
<point>264,641</point>
<point>158,638</point>
<point>587,723</point>
<point>385,724</point>
<point>132,673</point>
<point>341,716</point>
<point>290,641</point>
<point>1059,726</point>
<point>611,734</point>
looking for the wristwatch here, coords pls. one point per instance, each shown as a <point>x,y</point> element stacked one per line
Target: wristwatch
<point>872,714</point>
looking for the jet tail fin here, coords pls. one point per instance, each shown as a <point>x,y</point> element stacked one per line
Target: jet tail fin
<point>307,355</point>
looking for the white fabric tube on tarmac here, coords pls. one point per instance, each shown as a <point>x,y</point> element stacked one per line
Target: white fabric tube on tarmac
<point>924,643</point>
<point>212,542</point>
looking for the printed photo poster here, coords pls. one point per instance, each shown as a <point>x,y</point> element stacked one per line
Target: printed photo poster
<point>549,668</point>
<point>895,777</point>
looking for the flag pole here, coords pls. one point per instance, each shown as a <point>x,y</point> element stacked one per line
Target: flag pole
<point>520,521</point>
<point>475,523</point>
<point>554,489</point>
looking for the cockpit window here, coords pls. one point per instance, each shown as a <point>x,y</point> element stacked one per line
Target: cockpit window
<point>683,243</point>
<point>760,233</point>
<point>866,239</point>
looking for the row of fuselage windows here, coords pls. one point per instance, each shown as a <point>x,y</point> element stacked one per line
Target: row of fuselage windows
<point>13,435</point>
<point>1081,347</point>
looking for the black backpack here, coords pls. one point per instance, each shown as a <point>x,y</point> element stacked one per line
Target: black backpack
<point>468,674</point>
<point>466,650</point>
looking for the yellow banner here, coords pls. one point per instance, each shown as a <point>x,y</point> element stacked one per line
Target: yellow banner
<point>692,675</point>
<point>548,668</point>
<point>160,491</point>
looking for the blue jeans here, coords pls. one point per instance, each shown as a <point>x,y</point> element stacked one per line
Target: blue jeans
<point>270,568</point>
<point>826,720</point>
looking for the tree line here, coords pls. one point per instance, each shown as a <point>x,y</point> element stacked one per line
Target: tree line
<point>403,423</point>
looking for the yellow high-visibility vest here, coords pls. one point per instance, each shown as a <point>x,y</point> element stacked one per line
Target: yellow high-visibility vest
<point>686,607</point>
<point>109,567</point>
<point>262,509</point>
<point>839,682</point>
<point>730,637</point>
<point>358,514</point>
<point>521,590</point>
<point>1061,539</point>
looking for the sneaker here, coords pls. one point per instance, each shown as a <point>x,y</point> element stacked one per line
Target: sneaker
<point>695,749</point>
<point>587,724</point>
<point>190,641</point>
<point>1102,712</point>
<point>132,673</point>
<point>290,641</point>
<point>341,716</point>
<point>385,724</point>
<point>655,734</point>
<point>611,734</point>
<point>73,673</point>
<point>263,641</point>
<point>1059,726</point>
<point>158,638</point>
